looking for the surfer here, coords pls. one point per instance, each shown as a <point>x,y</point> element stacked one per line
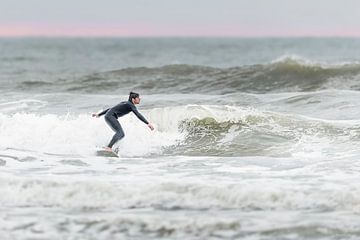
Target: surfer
<point>121,109</point>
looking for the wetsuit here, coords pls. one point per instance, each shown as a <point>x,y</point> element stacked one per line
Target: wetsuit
<point>112,114</point>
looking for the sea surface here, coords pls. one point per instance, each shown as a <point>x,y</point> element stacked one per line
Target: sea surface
<point>254,138</point>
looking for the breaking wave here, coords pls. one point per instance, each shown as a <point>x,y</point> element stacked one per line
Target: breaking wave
<point>204,130</point>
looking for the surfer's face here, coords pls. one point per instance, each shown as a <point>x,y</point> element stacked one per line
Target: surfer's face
<point>136,100</point>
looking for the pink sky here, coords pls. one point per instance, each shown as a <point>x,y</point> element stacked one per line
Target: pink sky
<point>148,30</point>
<point>145,18</point>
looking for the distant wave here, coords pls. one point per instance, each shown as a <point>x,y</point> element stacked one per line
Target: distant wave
<point>285,74</point>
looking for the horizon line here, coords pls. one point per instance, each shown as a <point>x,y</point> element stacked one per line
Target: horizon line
<point>179,36</point>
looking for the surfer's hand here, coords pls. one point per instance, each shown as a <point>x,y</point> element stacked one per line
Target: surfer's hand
<point>95,115</point>
<point>151,126</point>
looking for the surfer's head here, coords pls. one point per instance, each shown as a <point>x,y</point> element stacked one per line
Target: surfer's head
<point>134,97</point>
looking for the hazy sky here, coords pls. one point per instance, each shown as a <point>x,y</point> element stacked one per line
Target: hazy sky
<point>180,18</point>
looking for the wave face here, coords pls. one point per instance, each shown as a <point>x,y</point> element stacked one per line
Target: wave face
<point>232,131</point>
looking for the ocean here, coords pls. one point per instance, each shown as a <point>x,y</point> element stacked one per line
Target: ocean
<point>254,138</point>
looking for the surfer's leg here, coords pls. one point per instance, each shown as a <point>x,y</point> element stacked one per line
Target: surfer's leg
<point>115,125</point>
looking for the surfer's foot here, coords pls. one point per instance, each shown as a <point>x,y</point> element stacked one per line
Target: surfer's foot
<point>107,149</point>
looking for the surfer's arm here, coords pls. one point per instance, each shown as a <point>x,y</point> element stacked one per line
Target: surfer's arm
<point>102,112</point>
<point>141,117</point>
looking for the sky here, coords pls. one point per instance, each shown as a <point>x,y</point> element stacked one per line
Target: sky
<point>171,18</point>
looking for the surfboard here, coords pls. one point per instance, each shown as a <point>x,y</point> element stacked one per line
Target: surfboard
<point>103,153</point>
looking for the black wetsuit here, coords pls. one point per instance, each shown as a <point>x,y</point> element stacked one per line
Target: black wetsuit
<point>112,114</point>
